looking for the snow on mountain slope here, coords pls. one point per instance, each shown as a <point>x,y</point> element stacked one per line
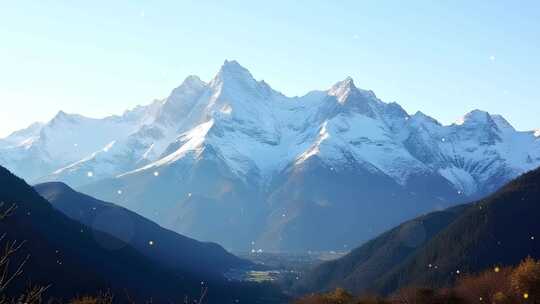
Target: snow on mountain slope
<point>257,129</point>
<point>72,137</point>
<point>191,142</point>
<point>22,137</point>
<point>253,127</point>
<point>235,145</point>
<point>479,153</point>
<point>68,139</point>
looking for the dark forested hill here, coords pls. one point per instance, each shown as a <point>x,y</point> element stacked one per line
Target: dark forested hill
<point>168,248</point>
<point>73,259</point>
<point>433,250</point>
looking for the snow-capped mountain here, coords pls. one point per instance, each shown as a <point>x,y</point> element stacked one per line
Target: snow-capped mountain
<point>214,160</point>
<point>68,139</point>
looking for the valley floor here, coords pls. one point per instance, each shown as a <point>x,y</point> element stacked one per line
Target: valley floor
<point>280,268</point>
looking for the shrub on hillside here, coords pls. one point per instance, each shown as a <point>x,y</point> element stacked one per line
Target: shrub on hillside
<point>525,280</point>
<point>414,295</point>
<point>499,285</point>
<point>103,298</point>
<point>491,286</point>
<point>338,296</point>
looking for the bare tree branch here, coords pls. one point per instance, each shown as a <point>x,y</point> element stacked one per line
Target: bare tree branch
<point>7,212</point>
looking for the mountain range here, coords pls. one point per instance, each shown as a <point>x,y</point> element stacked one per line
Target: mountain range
<point>236,162</point>
<point>435,249</point>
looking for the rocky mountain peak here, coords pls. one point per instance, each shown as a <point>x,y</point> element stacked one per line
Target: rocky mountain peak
<point>343,89</point>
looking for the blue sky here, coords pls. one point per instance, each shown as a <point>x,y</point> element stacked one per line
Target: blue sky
<point>96,58</point>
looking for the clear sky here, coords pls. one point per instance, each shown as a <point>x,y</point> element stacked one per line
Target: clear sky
<point>96,58</point>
